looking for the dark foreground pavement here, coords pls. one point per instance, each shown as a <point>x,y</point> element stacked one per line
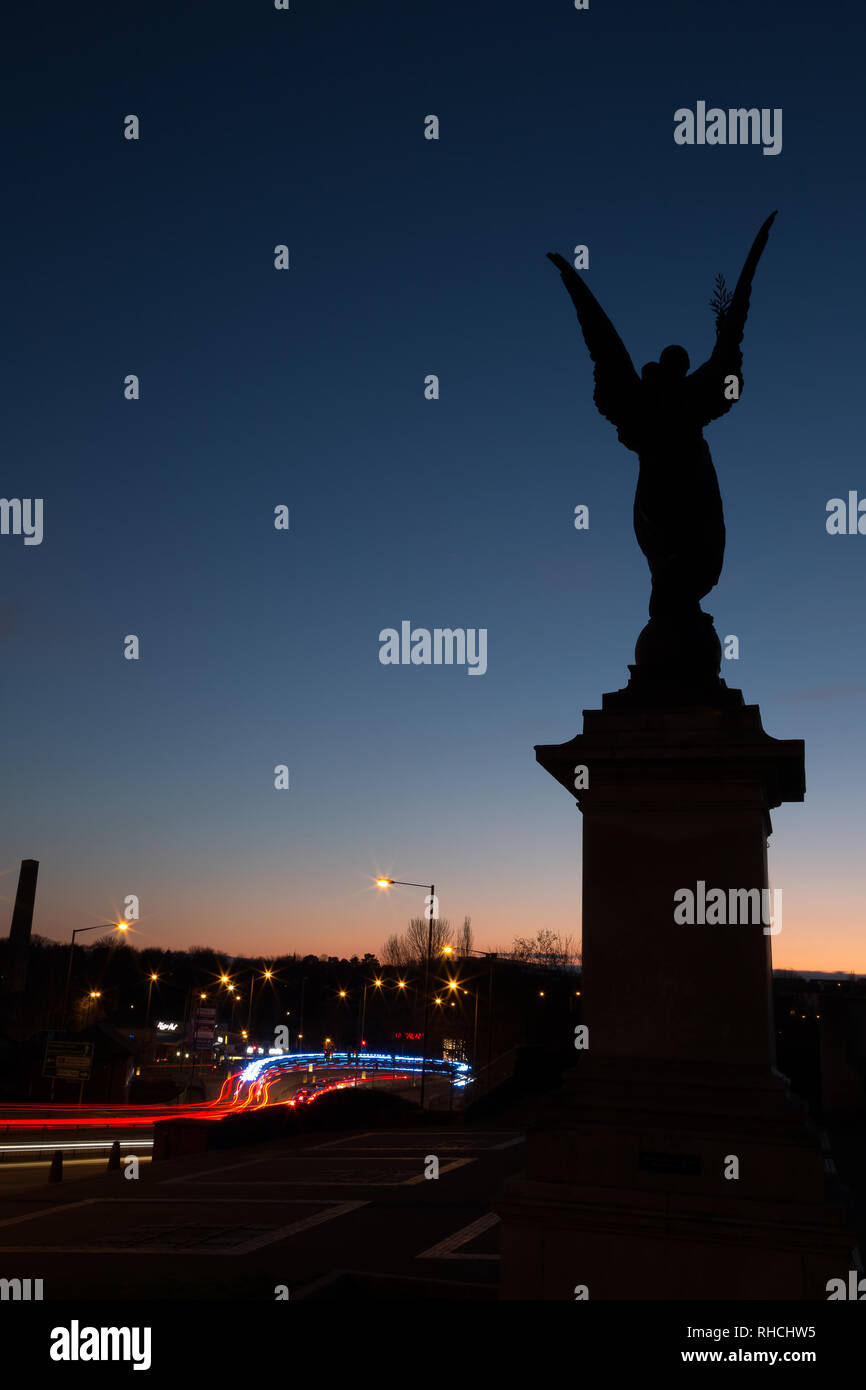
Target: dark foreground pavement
<point>321,1214</point>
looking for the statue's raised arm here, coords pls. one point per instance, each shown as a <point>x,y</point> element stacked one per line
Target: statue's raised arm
<point>710,390</point>
<point>617,384</point>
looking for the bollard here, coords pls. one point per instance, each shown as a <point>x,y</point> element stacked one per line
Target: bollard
<point>56,1173</point>
<point>114,1157</point>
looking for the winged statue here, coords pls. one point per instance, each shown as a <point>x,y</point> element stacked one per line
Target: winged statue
<point>660,416</point>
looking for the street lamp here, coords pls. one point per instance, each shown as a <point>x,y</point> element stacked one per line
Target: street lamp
<point>362,1010</point>
<point>100,926</point>
<point>150,985</point>
<point>234,996</point>
<point>267,975</point>
<point>491,957</point>
<point>404,883</point>
<point>301,1019</point>
<point>474,1027</point>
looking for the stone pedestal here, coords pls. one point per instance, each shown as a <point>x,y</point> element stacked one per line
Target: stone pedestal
<point>629,1186</point>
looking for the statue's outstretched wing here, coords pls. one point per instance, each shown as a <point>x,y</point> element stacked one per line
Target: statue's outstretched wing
<point>617,384</point>
<point>707,392</point>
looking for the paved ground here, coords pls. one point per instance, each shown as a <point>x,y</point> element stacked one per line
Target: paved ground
<point>310,1213</point>
<point>15,1177</point>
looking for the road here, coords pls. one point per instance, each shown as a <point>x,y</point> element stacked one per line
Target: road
<point>37,1131</point>
<point>316,1215</point>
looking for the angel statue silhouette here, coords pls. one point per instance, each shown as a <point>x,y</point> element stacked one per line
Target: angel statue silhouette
<point>660,416</point>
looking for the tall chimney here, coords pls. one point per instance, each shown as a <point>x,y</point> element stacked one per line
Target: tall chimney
<point>22,922</point>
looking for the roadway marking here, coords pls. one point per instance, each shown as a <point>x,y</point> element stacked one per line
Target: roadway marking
<point>52,1145</point>
<point>211,1201</point>
<point>444,1250</point>
<point>446,1140</point>
<point>372,1278</point>
<point>346,1178</point>
<point>211,1173</point>
<point>341,1209</point>
<point>50,1211</point>
<point>409,1150</point>
<point>454,1144</point>
<point>352,1139</point>
<point>448,1168</point>
<point>256,1242</point>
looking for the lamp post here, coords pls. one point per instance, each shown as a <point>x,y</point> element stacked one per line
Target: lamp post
<point>404,883</point>
<point>362,1009</point>
<point>100,926</point>
<point>226,982</point>
<point>456,988</point>
<point>490,1019</point>
<point>267,975</point>
<point>150,985</point>
<point>475,1030</point>
<point>491,956</point>
<point>301,1022</point>
<point>362,1018</point>
<point>362,1015</point>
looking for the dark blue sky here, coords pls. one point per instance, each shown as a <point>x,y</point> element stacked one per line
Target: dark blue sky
<point>305,387</point>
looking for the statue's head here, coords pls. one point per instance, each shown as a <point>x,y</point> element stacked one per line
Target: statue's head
<point>674,361</point>
<point>673,364</point>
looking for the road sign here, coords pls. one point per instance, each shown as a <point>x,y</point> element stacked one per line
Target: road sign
<point>68,1061</point>
<point>203,1027</point>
